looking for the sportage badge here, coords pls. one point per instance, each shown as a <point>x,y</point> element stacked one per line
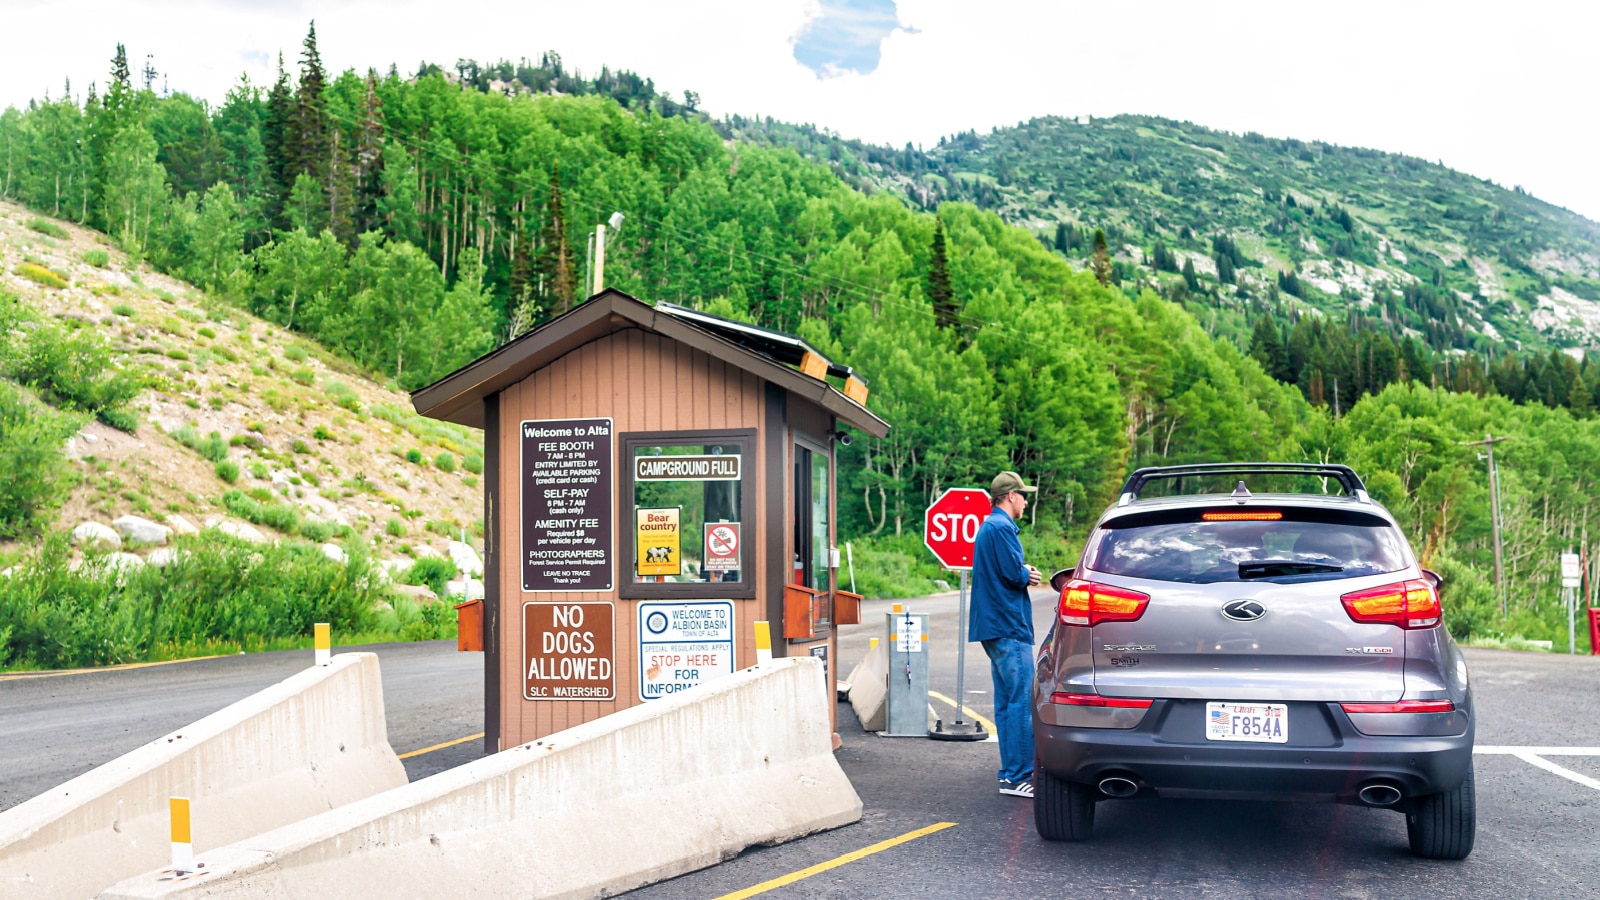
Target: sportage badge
<point>1243,610</point>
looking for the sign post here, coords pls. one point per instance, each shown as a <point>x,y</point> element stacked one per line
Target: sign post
<point>1571,577</point>
<point>950,528</point>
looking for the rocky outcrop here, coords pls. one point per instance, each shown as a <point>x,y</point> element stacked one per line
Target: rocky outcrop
<point>91,533</point>
<point>137,532</point>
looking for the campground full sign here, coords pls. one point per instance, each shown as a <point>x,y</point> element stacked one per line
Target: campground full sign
<point>950,526</point>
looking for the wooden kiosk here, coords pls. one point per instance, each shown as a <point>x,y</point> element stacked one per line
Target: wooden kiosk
<point>656,481</point>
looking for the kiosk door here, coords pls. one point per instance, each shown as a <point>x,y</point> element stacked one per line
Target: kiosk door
<point>813,533</point>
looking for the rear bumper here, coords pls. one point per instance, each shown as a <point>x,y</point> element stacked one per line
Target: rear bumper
<point>1330,760</point>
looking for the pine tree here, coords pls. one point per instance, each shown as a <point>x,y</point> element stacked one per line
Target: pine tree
<point>369,159</point>
<point>557,275</point>
<point>1190,279</point>
<point>940,292</point>
<point>1061,237</point>
<point>1579,400</point>
<point>113,113</point>
<point>274,140</point>
<point>523,303</point>
<point>307,147</point>
<point>1100,262</point>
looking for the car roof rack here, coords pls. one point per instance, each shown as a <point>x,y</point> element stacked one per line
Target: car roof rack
<point>1346,476</point>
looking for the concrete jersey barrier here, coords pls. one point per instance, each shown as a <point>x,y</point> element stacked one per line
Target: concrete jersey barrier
<point>644,794</point>
<point>869,688</point>
<point>314,741</point>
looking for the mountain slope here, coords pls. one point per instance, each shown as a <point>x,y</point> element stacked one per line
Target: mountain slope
<point>297,427</point>
<point>1425,249</point>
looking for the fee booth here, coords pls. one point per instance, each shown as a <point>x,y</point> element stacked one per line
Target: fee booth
<point>656,480</point>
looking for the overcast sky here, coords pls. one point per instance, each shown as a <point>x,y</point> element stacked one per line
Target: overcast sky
<point>1503,91</point>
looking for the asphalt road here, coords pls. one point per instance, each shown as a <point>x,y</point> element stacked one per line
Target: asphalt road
<point>54,727</point>
<point>1536,829</point>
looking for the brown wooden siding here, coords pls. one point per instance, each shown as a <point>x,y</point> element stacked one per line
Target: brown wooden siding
<point>644,383</point>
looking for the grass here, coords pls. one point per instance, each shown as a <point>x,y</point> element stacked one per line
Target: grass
<point>445,462</point>
<point>98,258</point>
<point>47,227</point>
<point>123,310</point>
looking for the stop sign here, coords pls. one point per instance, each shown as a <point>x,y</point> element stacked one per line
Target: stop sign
<point>951,525</point>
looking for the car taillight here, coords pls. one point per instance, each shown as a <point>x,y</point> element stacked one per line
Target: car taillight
<point>1408,604</point>
<point>1097,700</point>
<point>1090,603</point>
<point>1404,706</point>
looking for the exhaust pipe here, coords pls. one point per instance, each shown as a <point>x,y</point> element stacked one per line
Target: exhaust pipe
<point>1117,786</point>
<point>1380,795</point>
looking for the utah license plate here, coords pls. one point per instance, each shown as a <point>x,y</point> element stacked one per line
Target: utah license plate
<point>1259,723</point>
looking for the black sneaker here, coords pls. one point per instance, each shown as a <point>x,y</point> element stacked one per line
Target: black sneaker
<point>1017,788</point>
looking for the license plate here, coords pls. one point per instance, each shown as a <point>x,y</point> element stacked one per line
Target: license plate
<point>1257,723</point>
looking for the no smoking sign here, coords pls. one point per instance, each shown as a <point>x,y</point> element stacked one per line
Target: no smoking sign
<point>722,546</point>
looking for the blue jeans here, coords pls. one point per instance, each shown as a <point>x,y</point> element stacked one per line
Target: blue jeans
<point>1011,666</point>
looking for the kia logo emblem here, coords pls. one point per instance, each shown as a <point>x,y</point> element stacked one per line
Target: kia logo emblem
<point>1243,610</point>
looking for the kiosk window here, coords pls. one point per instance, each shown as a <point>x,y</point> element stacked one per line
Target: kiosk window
<point>690,519</point>
<point>811,526</point>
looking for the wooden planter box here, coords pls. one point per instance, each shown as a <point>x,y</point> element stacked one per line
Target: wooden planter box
<point>469,626</point>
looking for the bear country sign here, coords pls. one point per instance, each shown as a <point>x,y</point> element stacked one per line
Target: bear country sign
<point>660,541</point>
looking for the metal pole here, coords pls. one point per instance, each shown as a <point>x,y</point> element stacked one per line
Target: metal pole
<point>961,648</point>
<point>1572,623</point>
<point>1494,493</point>
<point>599,257</point>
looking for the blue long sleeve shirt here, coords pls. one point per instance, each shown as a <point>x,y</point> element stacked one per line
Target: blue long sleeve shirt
<point>1000,604</point>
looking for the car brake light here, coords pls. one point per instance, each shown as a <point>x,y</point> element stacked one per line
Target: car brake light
<point>1408,604</point>
<point>1097,700</point>
<point>1404,706</point>
<point>1090,603</point>
<point>1254,516</point>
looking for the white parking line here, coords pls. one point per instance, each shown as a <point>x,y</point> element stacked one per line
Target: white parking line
<point>1548,766</point>
<point>1535,756</point>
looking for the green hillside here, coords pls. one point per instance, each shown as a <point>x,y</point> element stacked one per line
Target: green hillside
<point>1414,246</point>
<point>410,223</point>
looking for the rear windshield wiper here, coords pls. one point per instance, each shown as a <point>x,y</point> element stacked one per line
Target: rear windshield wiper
<point>1276,568</point>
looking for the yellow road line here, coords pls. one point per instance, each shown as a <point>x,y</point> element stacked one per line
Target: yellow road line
<point>470,737</point>
<point>18,676</point>
<point>966,710</point>
<point>835,863</point>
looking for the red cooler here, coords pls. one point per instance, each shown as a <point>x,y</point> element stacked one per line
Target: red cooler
<point>1594,630</point>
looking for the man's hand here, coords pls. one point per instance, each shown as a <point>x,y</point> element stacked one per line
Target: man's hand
<point>1034,578</point>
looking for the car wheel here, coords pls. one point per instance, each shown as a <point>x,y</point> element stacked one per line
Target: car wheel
<point>1442,826</point>
<point>1062,810</point>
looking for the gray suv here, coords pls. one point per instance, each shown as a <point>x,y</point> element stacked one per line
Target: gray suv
<point>1276,646</point>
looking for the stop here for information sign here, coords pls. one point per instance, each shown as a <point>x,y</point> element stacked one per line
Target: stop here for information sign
<point>682,645</point>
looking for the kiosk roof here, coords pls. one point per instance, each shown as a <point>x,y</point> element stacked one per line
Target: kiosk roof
<point>458,397</point>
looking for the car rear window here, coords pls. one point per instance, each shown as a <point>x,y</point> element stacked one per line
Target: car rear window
<point>1304,544</point>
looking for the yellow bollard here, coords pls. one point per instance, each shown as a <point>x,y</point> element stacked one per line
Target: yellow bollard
<point>763,643</point>
<point>323,642</point>
<point>182,844</point>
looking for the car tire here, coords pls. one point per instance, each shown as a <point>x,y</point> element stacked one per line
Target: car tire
<point>1062,810</point>
<point>1442,826</point>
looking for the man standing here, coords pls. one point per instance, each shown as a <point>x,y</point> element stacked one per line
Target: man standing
<point>1002,618</point>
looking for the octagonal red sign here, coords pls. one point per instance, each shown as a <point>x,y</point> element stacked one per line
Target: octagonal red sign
<point>951,524</point>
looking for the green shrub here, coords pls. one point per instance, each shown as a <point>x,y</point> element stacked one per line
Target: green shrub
<point>96,257</point>
<point>45,226</point>
<point>414,455</point>
<point>303,376</point>
<point>342,394</point>
<point>424,622</point>
<point>228,470</point>
<point>394,528</point>
<point>322,433</point>
<point>206,332</point>
<point>74,370</point>
<point>322,532</point>
<point>123,310</point>
<point>473,463</point>
<point>214,447</point>
<point>281,516</point>
<point>258,470</point>
<point>469,481</point>
<point>40,275</point>
<point>35,480</point>
<point>432,571</point>
<point>222,353</point>
<point>445,462</point>
<point>219,595</point>
<point>177,354</point>
<point>300,446</point>
<point>192,314</point>
<point>295,353</point>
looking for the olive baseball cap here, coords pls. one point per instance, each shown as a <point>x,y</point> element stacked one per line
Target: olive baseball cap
<point>1006,482</point>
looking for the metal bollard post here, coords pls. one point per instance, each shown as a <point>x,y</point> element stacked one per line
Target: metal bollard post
<point>182,844</point>
<point>763,643</point>
<point>323,643</point>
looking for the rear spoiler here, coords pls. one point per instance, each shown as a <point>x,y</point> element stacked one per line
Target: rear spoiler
<point>1346,476</point>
